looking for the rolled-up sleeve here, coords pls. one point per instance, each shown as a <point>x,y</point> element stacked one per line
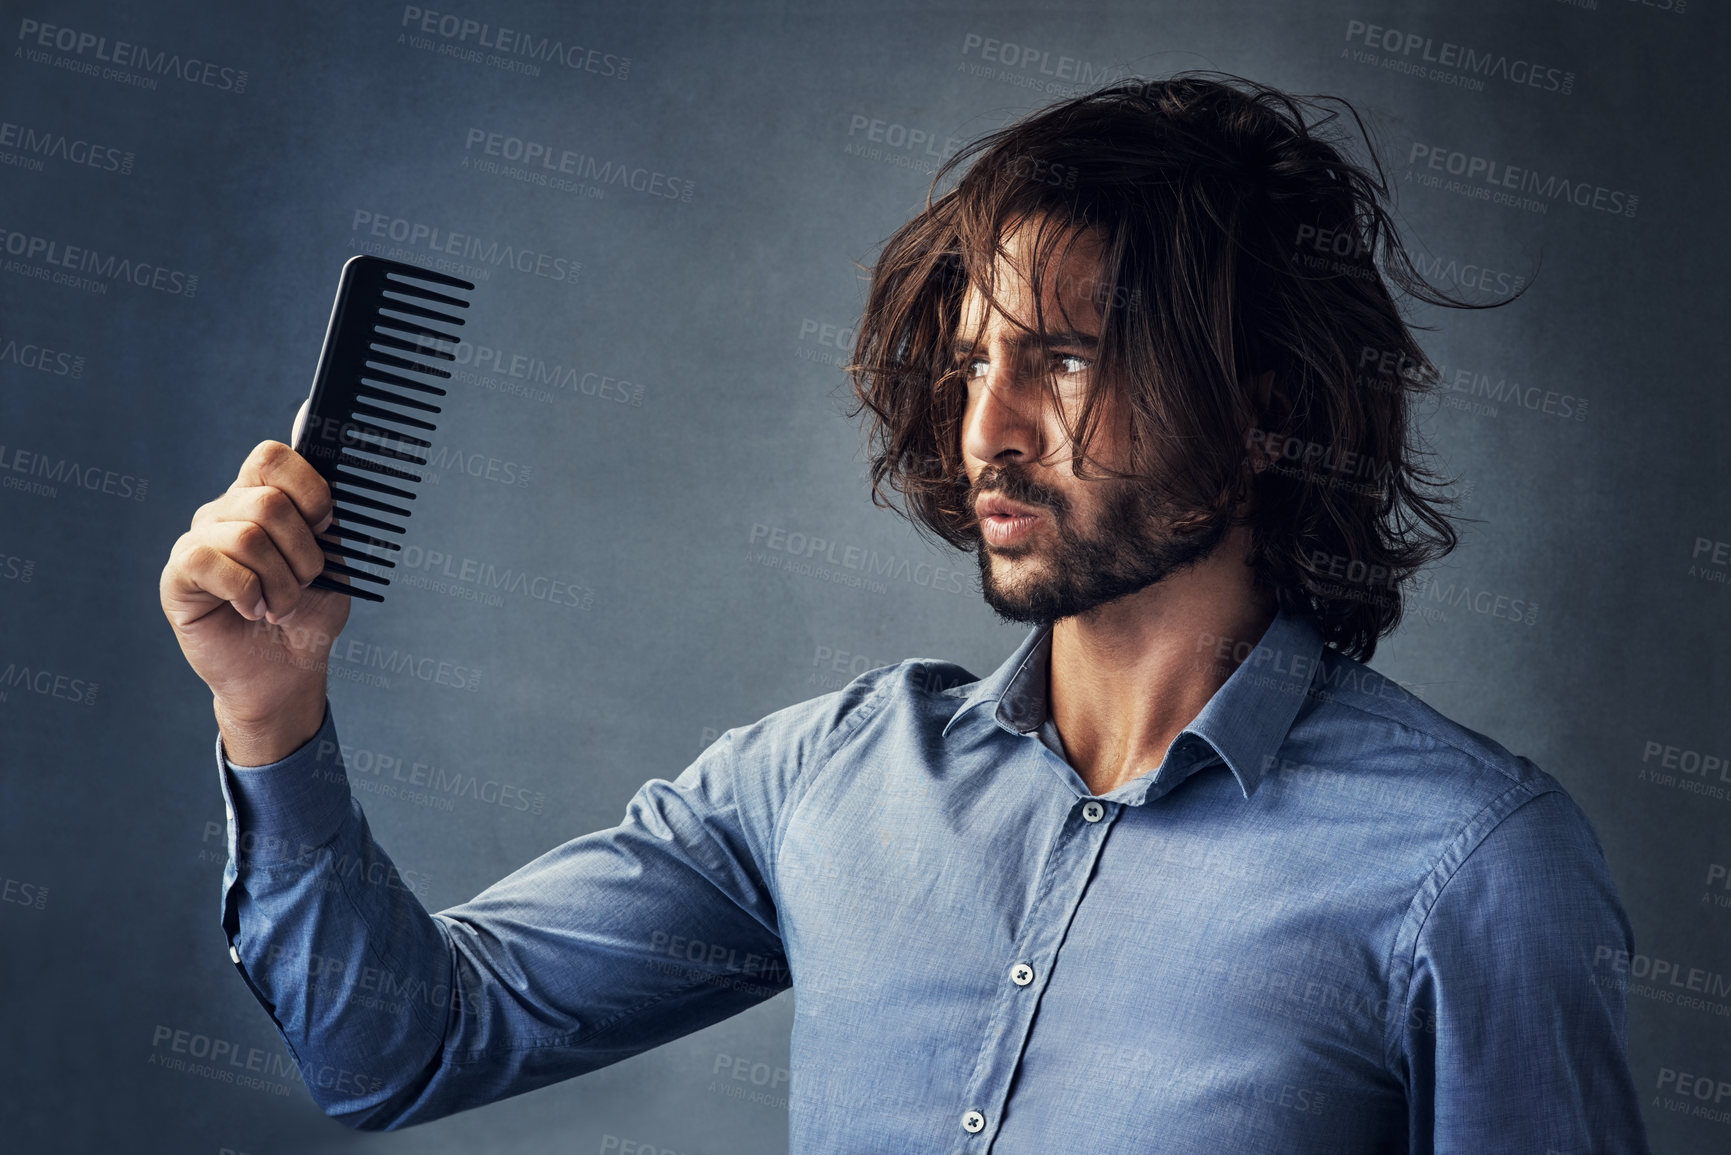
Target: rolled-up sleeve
<point>605,946</point>
<point>1510,1041</point>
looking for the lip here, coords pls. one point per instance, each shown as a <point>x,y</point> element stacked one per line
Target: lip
<point>992,505</point>
<point>1003,522</point>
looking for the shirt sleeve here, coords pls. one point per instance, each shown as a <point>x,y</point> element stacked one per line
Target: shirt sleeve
<point>1509,1042</point>
<point>603,947</point>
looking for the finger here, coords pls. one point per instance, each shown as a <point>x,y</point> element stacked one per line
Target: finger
<point>247,543</point>
<point>277,512</point>
<point>200,577</point>
<point>272,510</point>
<point>273,463</point>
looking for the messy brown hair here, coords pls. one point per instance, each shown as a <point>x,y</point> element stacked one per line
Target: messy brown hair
<point>1237,237</point>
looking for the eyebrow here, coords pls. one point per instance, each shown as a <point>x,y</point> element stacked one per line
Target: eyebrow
<point>1062,339</point>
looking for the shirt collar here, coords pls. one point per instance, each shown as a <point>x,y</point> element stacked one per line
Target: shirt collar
<point>1243,724</point>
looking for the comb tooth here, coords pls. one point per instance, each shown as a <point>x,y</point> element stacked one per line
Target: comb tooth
<point>354,517</point>
<point>423,342</point>
<point>406,306</point>
<point>393,330</point>
<point>369,503</point>
<point>387,434</point>
<point>380,337</point>
<point>374,356</point>
<point>411,290</point>
<point>377,467</point>
<point>412,310</point>
<point>369,483</point>
<point>380,377</point>
<point>356,535</point>
<point>386,414</point>
<point>351,571</point>
<point>355,445</point>
<point>350,551</point>
<point>325,583</point>
<point>397,270</point>
<point>367,390</point>
<point>395,325</point>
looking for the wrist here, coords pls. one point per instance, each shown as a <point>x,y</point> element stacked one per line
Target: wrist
<point>258,741</point>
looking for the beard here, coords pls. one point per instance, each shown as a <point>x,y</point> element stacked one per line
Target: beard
<point>1088,567</point>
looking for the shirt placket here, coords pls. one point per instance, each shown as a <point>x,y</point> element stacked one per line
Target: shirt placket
<point>1028,967</point>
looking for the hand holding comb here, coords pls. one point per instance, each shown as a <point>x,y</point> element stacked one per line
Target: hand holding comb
<point>365,415</point>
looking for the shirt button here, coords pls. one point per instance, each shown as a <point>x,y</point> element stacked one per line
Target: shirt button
<point>1021,974</point>
<point>1092,811</point>
<point>973,1122</point>
<point>234,953</point>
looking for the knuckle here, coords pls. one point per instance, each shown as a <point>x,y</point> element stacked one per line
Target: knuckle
<point>250,537</point>
<point>270,503</point>
<point>186,555</point>
<point>201,556</point>
<point>306,564</point>
<point>269,453</point>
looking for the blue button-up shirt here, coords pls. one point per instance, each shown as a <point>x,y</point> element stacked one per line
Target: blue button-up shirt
<point>1331,920</point>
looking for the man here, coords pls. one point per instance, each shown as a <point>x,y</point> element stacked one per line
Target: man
<point>1182,875</point>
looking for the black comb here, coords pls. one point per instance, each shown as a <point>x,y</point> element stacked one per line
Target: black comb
<point>366,414</point>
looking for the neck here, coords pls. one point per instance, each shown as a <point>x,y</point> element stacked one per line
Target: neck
<point>1126,677</point>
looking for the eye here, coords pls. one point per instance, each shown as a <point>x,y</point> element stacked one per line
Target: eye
<point>1070,364</point>
<point>974,367</point>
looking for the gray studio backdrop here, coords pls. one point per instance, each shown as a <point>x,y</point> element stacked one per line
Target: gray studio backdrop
<point>648,519</point>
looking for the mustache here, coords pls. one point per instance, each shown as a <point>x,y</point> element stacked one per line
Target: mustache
<point>1016,484</point>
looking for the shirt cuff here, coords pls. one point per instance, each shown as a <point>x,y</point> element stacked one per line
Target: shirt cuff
<point>282,810</point>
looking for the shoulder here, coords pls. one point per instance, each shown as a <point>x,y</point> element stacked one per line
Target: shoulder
<point>1353,707</point>
<point>1503,842</point>
<point>1459,793</point>
<point>805,734</point>
<point>1524,909</point>
<point>752,777</point>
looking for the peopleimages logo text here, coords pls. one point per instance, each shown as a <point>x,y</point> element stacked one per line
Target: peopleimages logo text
<point>1447,54</point>
<point>1498,175</point>
<point>125,54</point>
<point>465,246</point>
<point>48,251</point>
<point>515,42</point>
<point>59,146</point>
<point>582,165</point>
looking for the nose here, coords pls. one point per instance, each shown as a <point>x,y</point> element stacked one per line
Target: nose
<point>1002,421</point>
